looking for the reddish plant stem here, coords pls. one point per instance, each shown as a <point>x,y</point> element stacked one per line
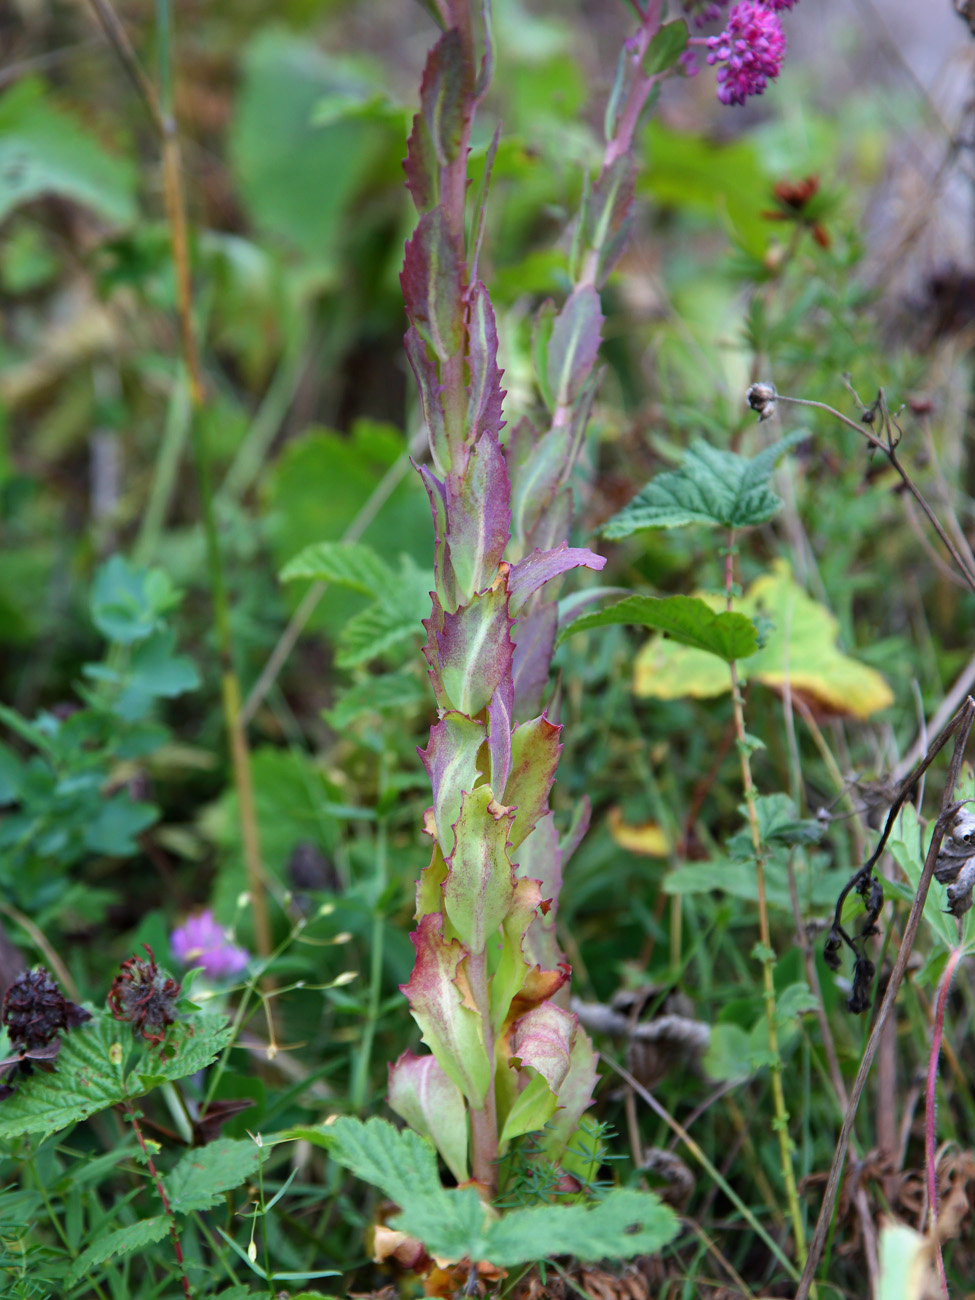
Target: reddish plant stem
<point>168,1209</point>
<point>929,1110</point>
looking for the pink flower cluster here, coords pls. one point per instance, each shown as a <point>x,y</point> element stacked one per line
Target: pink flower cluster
<point>750,50</point>
<point>202,942</point>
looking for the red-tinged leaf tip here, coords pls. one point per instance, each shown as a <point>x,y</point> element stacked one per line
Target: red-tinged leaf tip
<point>541,1040</point>
<point>443,1006</point>
<point>535,753</point>
<point>447,94</point>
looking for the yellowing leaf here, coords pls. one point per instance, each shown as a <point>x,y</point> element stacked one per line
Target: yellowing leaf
<point>801,649</point>
<point>647,839</point>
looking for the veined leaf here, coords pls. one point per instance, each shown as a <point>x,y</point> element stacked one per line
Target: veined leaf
<point>346,564</point>
<point>687,620</point>
<point>801,650</point>
<point>203,1175</point>
<point>120,1241</point>
<point>91,1072</point>
<point>712,487</point>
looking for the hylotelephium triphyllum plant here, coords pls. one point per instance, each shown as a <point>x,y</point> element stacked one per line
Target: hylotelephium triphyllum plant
<point>489,987</point>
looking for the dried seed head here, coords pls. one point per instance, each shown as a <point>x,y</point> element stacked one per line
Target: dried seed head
<point>144,995</point>
<point>762,398</point>
<point>35,1011</point>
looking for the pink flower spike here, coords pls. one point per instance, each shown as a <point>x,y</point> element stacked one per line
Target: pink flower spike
<point>751,50</point>
<point>200,941</point>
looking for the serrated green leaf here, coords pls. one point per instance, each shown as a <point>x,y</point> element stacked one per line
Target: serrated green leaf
<point>91,1075</point>
<point>685,619</point>
<point>624,1223</point>
<point>388,693</point>
<point>666,47</point>
<point>779,821</point>
<point>202,1176</point>
<point>389,622</point>
<point>121,1241</point>
<point>400,1164</point>
<point>712,487</point>
<point>346,564</point>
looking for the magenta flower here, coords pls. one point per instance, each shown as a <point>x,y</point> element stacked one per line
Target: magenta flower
<point>751,49</point>
<point>202,942</point>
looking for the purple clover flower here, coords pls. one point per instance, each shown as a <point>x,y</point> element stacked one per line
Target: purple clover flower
<point>751,49</point>
<point>202,942</point>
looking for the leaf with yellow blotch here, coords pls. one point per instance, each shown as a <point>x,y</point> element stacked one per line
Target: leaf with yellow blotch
<point>801,649</point>
<point>647,839</point>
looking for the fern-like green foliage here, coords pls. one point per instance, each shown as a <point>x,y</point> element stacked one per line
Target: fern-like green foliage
<point>455,1224</point>
<point>100,1065</point>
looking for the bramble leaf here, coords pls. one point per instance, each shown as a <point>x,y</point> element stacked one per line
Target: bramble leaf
<point>120,1241</point>
<point>346,564</point>
<point>203,1175</point>
<point>711,487</point>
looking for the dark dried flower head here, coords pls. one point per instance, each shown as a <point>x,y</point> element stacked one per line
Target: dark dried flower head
<point>863,972</point>
<point>35,1011</point>
<point>761,398</point>
<point>144,995</point>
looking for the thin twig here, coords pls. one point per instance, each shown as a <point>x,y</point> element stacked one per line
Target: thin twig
<point>962,723</point>
<point>930,1099</point>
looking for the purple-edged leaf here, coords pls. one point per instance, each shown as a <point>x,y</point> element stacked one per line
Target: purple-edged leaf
<point>575,1096</point>
<point>540,858</point>
<point>541,1040</point>
<point>534,757</point>
<point>608,214</point>
<point>480,879</point>
<point>541,1043</point>
<point>484,393</point>
<point>574,344</point>
<point>430,390</point>
<point>474,650</point>
<point>434,629</point>
<point>446,94</point>
<point>420,166</point>
<point>450,759</point>
<point>534,644</point>
<point>540,567</point>
<point>421,1092</point>
<point>432,280</point>
<point>443,570</point>
<point>500,723</point>
<point>479,206</point>
<point>537,473</point>
<point>479,517</point>
<point>443,1006</point>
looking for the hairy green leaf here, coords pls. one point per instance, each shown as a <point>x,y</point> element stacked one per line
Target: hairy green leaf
<point>203,1175</point>
<point>711,487</point>
<point>346,564</point>
<point>91,1072</point>
<point>120,1241</point>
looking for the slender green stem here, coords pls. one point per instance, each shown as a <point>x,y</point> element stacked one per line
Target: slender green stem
<point>766,952</point>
